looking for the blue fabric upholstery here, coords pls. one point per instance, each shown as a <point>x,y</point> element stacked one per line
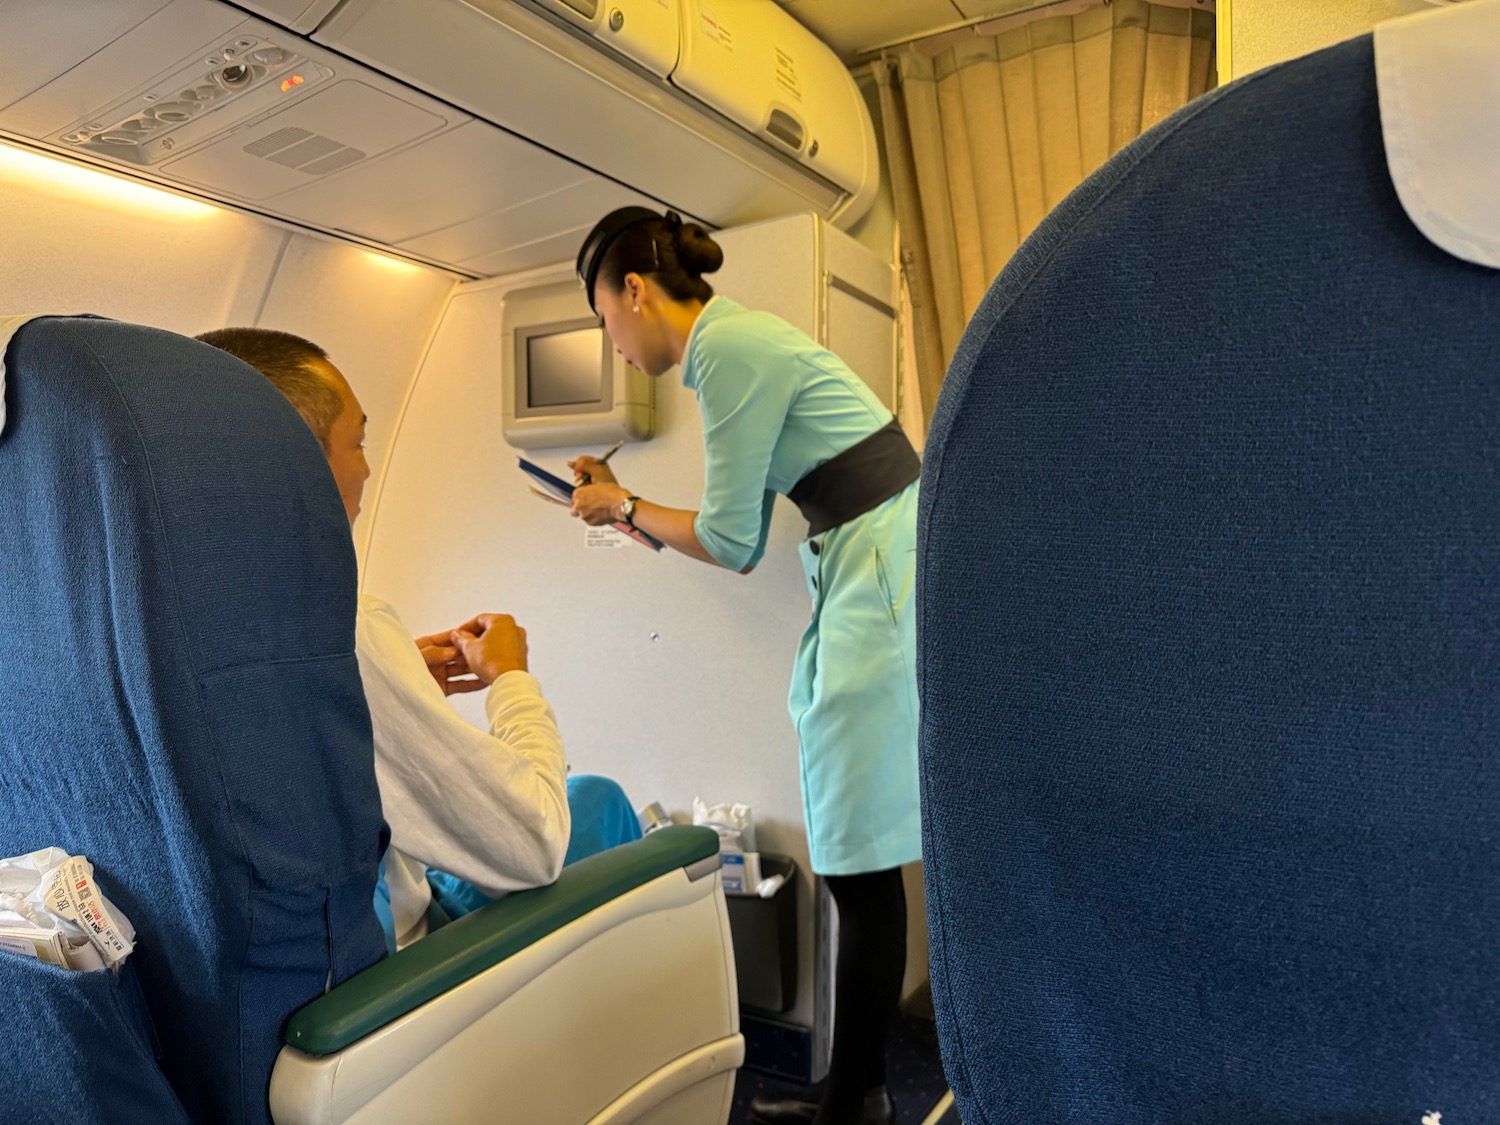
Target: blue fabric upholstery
<point>180,702</point>
<point>1210,642</point>
<point>79,1048</point>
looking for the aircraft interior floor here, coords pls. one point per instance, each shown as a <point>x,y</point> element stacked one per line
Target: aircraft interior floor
<point>914,1076</point>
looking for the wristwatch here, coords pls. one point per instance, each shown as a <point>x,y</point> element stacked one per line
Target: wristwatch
<point>627,509</point>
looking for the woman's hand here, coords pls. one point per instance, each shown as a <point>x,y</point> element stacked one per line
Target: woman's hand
<point>597,504</point>
<point>591,470</point>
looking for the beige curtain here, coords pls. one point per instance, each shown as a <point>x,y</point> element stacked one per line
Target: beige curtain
<point>987,134</point>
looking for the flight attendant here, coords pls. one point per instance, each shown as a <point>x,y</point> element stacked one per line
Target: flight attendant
<point>783,415</point>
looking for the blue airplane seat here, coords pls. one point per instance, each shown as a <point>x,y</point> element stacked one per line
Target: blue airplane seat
<point>180,703</point>
<point>1209,614</point>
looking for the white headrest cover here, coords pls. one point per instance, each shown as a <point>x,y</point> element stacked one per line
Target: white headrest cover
<point>1439,80</point>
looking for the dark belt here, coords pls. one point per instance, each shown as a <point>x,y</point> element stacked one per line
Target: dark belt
<point>858,480</point>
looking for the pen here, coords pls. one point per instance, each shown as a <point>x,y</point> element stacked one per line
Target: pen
<point>583,478</point>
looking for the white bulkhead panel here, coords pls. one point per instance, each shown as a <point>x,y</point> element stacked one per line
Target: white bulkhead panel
<point>645,31</point>
<point>763,70</point>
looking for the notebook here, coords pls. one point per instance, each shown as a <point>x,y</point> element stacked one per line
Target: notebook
<point>561,491</point>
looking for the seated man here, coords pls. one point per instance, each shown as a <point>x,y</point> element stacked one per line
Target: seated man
<point>491,810</point>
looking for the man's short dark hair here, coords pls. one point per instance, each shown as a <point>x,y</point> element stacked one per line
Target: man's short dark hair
<point>287,361</point>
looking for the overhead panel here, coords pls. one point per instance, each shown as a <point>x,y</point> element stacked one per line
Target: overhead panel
<point>299,15</point>
<point>197,100</point>
<point>88,78</point>
<point>42,41</point>
<point>548,228</point>
<point>473,170</point>
<point>324,132</point>
<point>195,93</point>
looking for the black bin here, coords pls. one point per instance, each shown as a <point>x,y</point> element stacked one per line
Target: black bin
<point>765,940</point>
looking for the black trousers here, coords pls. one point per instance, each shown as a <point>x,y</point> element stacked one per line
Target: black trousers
<point>867,987</point>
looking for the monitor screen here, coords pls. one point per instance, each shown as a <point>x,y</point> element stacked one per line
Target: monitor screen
<point>565,368</point>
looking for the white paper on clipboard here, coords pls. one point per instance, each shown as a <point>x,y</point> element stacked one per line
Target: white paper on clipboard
<point>554,487</point>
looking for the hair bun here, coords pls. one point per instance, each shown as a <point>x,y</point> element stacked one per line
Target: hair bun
<point>697,253</point>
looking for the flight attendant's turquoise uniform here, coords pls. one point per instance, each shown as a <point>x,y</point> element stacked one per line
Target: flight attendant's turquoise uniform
<point>775,406</point>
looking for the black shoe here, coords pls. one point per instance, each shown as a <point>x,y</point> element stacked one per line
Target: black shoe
<point>879,1109</point>
<point>801,1108</point>
<point>796,1108</point>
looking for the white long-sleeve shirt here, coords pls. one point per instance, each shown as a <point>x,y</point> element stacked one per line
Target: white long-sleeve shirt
<point>489,808</point>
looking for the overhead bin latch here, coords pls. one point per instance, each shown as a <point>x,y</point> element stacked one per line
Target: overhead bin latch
<point>786,129</point>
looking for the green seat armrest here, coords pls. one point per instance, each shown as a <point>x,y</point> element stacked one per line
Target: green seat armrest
<point>462,949</point>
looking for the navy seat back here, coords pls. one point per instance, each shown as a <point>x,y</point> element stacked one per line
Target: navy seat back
<point>1210,642</point>
<point>179,702</point>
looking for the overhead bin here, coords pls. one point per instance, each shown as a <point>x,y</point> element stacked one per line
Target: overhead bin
<point>540,76</point>
<point>645,31</point>
<point>767,73</point>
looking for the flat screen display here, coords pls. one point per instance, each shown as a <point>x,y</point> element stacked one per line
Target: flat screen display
<point>565,368</point>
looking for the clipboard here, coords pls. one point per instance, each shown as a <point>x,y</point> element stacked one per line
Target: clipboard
<point>555,488</point>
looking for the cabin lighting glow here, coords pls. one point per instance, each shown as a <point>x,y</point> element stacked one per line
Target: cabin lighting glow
<point>289,84</point>
<point>400,265</point>
<point>58,177</point>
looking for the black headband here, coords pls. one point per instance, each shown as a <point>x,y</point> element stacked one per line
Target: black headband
<point>602,237</point>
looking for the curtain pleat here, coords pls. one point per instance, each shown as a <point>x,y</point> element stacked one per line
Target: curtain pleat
<point>1168,63</point>
<point>963,201</point>
<point>1203,74</point>
<point>994,193</point>
<point>1093,47</point>
<point>991,133</point>
<point>1127,71</point>
<point>925,122</point>
<point>1023,127</point>
<point>916,259</point>
<point>1058,128</point>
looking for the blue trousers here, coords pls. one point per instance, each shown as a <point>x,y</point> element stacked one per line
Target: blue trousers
<point>602,818</point>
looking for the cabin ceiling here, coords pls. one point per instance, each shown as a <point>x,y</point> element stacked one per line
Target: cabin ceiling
<point>854,27</point>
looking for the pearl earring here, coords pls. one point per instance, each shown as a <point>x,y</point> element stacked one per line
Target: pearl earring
<point>635,309</point>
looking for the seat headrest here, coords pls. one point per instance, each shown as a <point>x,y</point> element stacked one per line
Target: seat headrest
<point>9,326</point>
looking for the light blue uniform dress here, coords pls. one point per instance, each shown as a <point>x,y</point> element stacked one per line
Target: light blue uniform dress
<point>775,406</point>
